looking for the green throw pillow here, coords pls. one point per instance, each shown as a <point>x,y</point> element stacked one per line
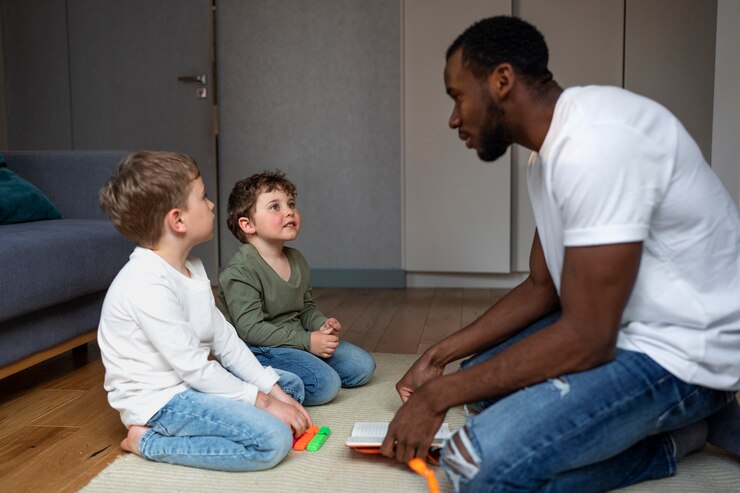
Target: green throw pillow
<point>21,202</point>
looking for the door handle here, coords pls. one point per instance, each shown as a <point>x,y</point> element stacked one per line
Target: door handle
<point>198,79</point>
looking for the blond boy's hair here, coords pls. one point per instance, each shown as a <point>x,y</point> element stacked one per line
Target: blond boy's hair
<point>144,187</point>
<point>243,197</point>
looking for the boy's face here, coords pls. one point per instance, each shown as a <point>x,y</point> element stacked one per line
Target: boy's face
<point>199,212</point>
<point>275,217</point>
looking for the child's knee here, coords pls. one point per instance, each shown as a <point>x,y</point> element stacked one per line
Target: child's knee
<point>363,370</point>
<point>276,446</point>
<point>292,385</point>
<point>326,388</point>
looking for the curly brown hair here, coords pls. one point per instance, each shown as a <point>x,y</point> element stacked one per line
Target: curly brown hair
<point>243,197</point>
<point>144,187</point>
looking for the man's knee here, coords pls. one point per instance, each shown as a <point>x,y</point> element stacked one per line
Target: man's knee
<point>460,459</point>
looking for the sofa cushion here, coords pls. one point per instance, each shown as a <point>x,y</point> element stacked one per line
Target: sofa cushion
<point>21,202</point>
<point>49,262</point>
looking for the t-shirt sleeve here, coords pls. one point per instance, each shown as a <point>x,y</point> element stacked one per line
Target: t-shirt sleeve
<point>606,193</point>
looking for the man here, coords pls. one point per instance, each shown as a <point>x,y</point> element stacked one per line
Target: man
<point>599,370</point>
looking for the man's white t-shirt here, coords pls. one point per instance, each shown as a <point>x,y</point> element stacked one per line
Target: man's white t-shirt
<point>157,330</point>
<point>616,167</point>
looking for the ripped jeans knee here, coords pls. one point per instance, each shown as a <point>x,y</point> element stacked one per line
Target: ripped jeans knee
<point>460,459</point>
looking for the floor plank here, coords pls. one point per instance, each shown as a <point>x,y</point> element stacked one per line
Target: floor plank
<point>31,405</point>
<point>405,328</point>
<point>369,328</point>
<point>445,316</point>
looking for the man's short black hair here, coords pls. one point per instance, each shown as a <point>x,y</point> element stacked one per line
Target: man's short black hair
<point>503,39</point>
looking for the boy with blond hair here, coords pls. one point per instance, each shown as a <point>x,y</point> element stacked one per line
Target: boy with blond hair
<point>265,291</point>
<point>159,325</point>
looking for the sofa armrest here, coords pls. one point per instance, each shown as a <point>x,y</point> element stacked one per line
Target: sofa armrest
<point>70,179</point>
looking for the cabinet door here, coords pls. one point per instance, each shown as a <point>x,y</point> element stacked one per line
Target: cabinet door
<point>457,208</point>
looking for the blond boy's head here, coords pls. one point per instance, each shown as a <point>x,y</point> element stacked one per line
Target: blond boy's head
<point>144,187</point>
<point>243,197</point>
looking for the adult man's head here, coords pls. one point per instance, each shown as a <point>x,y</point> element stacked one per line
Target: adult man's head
<point>495,70</point>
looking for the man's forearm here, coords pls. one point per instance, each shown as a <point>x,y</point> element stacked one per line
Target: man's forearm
<point>551,352</point>
<point>521,307</point>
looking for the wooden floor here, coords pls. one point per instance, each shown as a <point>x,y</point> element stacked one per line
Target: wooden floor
<point>56,428</point>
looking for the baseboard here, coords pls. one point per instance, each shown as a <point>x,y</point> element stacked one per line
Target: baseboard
<point>463,280</point>
<point>398,278</point>
<point>358,278</point>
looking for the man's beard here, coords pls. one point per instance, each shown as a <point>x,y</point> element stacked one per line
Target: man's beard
<point>495,137</point>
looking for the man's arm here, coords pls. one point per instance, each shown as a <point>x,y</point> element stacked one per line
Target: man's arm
<point>596,284</point>
<point>530,301</point>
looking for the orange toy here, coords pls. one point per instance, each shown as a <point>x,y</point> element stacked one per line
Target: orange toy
<point>302,442</point>
<point>420,467</point>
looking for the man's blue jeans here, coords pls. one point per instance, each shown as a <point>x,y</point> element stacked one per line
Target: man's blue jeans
<point>595,430</point>
<point>212,432</point>
<point>349,366</point>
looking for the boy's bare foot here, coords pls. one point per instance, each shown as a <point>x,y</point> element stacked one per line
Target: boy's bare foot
<point>131,442</point>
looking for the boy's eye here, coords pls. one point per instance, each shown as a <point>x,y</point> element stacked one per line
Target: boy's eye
<point>291,205</point>
<point>275,207</point>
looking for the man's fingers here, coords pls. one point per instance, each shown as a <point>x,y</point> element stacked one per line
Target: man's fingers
<point>386,448</point>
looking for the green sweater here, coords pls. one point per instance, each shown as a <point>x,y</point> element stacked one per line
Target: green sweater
<point>265,309</point>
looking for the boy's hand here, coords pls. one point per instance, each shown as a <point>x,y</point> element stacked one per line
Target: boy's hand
<point>279,394</point>
<point>323,345</point>
<point>331,326</point>
<point>290,414</point>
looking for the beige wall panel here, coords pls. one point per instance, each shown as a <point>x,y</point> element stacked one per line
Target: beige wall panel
<point>669,57</point>
<point>457,208</point>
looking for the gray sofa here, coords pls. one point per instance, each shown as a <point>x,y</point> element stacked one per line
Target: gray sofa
<point>54,273</point>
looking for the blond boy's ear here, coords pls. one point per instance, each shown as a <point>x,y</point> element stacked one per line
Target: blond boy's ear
<point>174,221</point>
<point>246,226</point>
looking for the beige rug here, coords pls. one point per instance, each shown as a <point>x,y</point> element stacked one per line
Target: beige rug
<point>335,468</point>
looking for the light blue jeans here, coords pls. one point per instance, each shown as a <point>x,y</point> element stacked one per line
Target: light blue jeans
<point>596,430</point>
<point>349,366</point>
<point>211,432</point>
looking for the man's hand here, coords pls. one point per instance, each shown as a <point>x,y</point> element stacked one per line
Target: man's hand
<point>323,345</point>
<point>420,373</point>
<point>331,326</point>
<point>411,432</point>
<point>290,414</point>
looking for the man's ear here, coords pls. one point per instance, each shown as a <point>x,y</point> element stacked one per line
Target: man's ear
<point>246,225</point>
<point>175,222</point>
<point>501,80</point>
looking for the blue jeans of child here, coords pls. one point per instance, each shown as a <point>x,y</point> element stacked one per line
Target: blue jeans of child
<point>212,432</point>
<point>596,430</point>
<point>349,366</point>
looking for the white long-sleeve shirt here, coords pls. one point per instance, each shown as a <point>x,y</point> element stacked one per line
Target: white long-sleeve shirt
<point>157,329</point>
